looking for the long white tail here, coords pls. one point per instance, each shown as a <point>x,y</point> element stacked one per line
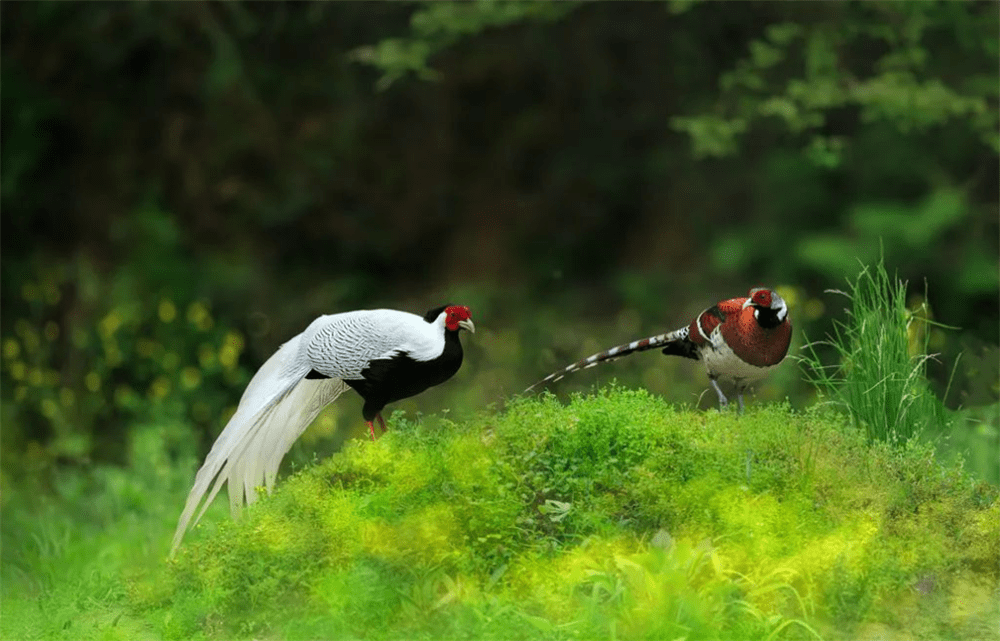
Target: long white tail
<point>277,406</point>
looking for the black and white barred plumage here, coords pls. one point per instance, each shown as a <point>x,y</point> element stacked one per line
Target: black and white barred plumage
<point>660,340</point>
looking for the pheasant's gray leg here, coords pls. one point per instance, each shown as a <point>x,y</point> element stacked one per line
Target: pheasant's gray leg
<point>739,397</point>
<point>723,401</point>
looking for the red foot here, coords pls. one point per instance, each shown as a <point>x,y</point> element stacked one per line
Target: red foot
<point>381,422</point>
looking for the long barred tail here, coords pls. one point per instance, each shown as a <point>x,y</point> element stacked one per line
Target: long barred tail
<point>615,352</point>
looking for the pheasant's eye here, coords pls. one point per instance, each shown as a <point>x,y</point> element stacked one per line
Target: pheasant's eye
<point>762,298</point>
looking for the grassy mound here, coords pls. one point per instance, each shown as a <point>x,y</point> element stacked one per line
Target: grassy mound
<point>615,516</point>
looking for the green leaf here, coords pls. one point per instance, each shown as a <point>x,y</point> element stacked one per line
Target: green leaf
<point>711,135</point>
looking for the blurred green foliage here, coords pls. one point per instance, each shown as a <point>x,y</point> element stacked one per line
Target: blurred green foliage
<point>183,186</point>
<point>222,158</point>
<point>877,61</point>
<point>438,25</point>
<point>147,351</point>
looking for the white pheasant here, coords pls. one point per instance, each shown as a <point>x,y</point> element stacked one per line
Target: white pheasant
<point>385,355</point>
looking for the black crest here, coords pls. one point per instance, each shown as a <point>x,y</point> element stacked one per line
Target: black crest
<point>432,315</point>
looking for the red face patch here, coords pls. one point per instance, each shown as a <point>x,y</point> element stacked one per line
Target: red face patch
<point>760,297</point>
<point>454,315</point>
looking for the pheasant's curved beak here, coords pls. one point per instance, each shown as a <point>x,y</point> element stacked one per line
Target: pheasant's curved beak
<point>467,324</point>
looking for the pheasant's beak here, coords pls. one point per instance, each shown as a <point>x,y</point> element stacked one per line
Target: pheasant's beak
<point>467,324</point>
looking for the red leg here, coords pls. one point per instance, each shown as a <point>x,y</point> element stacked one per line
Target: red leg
<point>371,428</point>
<point>381,422</point>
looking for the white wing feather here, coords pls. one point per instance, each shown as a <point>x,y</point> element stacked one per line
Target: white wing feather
<point>280,403</point>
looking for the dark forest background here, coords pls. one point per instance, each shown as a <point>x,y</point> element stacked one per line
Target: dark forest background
<point>187,185</point>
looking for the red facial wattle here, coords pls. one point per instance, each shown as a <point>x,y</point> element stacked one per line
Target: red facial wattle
<point>454,316</point>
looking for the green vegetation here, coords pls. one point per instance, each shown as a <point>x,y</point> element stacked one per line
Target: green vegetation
<point>186,185</point>
<point>244,173</point>
<point>792,79</point>
<point>436,26</point>
<point>139,354</point>
<point>614,516</point>
<point>881,349</point>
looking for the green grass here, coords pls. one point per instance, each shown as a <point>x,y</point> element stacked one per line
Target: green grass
<point>616,516</point>
<point>882,357</point>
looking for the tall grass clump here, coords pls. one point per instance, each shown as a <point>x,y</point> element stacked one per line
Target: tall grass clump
<point>882,352</point>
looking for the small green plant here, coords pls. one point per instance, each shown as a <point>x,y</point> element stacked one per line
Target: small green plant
<point>882,351</point>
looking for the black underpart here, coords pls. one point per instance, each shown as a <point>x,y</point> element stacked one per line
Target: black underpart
<point>314,375</point>
<point>391,379</point>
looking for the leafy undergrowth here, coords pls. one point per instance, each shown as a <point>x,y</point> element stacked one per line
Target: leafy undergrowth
<point>616,516</point>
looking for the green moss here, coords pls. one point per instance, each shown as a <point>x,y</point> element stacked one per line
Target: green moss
<point>613,516</point>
